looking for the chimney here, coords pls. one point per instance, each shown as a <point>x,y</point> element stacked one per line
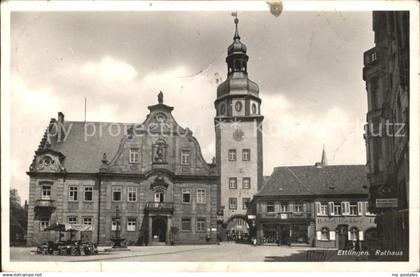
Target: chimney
<point>59,127</point>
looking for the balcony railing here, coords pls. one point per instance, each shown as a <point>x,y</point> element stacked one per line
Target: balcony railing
<point>160,206</point>
<point>45,205</point>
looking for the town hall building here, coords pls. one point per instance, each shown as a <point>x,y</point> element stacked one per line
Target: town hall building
<point>149,181</point>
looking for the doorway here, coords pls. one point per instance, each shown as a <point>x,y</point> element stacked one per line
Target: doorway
<point>159,229</point>
<point>342,236</point>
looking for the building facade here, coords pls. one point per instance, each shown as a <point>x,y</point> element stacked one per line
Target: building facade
<point>239,153</point>
<point>153,173</point>
<point>386,73</point>
<point>322,206</point>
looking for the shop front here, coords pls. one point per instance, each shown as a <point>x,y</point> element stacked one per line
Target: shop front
<point>285,233</point>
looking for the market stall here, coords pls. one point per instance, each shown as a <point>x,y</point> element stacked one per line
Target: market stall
<point>69,247</point>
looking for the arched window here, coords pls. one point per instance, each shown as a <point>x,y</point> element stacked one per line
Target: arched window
<point>353,234</point>
<point>159,151</point>
<point>325,233</point>
<point>237,65</point>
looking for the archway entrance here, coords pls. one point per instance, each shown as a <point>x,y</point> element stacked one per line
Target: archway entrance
<point>372,241</point>
<point>237,229</point>
<point>159,229</point>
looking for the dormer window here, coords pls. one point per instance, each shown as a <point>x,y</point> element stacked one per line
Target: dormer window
<point>134,155</point>
<point>185,157</point>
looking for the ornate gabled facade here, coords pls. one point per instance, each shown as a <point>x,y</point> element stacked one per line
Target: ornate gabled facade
<point>153,173</point>
<point>238,126</point>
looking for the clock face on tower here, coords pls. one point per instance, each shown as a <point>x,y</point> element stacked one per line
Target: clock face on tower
<point>238,106</point>
<point>238,135</point>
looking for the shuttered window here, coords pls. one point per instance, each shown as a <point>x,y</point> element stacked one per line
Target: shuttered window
<point>331,207</point>
<point>318,208</point>
<point>360,235</point>
<point>360,208</point>
<point>345,208</point>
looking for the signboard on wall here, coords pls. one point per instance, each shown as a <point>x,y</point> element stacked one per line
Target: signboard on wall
<point>387,203</point>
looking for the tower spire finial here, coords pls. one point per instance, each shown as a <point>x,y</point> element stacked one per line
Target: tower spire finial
<point>235,14</point>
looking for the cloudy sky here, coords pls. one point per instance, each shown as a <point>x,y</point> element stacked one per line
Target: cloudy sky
<point>308,66</point>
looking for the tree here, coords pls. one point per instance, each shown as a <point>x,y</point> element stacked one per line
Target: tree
<point>18,219</point>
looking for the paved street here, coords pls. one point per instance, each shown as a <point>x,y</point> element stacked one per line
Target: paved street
<point>225,252</point>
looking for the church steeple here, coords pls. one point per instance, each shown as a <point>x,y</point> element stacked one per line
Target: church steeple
<point>324,161</point>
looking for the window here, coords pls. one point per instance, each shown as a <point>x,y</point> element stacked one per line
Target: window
<point>186,196</point>
<point>87,220</point>
<point>201,224</point>
<point>246,154</point>
<point>115,225</point>
<point>131,224</point>
<point>324,209</point>
<point>270,207</point>
<point>283,207</point>
<point>321,209</point>
<point>185,157</point>
<point>44,222</point>
<point>298,208</point>
<point>325,234</point>
<point>72,220</point>
<point>88,193</point>
<point>345,208</point>
<point>353,234</point>
<point>232,155</point>
<point>201,196</point>
<point>159,196</point>
<point>233,204</point>
<point>353,208</point>
<point>373,56</point>
<point>337,209</point>
<point>134,155</point>
<point>186,224</point>
<point>46,193</point>
<point>73,193</point>
<point>233,183</point>
<point>246,183</point>
<point>245,203</point>
<point>367,213</point>
<point>132,194</point>
<point>116,193</point>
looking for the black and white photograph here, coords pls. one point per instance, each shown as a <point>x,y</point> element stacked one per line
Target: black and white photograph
<point>225,132</point>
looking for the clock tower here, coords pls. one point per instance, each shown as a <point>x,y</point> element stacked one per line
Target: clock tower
<point>238,126</point>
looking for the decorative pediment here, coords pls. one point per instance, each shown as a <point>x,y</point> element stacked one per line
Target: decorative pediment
<point>49,161</point>
<point>159,183</point>
<point>158,121</point>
